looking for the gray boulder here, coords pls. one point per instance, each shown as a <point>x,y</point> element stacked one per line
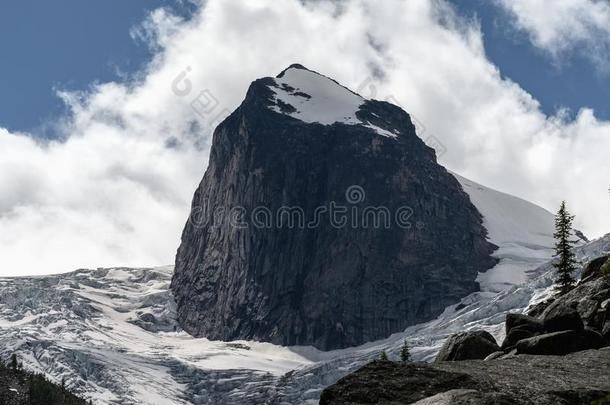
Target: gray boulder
<point>524,322</point>
<point>472,345</point>
<point>561,317</point>
<point>558,343</point>
<point>594,268</point>
<point>516,334</point>
<point>518,327</point>
<point>587,309</point>
<point>537,309</point>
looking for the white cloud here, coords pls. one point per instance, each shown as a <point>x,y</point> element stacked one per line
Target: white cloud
<point>117,190</point>
<point>563,27</point>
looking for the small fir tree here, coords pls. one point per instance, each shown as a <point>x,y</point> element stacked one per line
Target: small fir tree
<point>405,354</point>
<point>14,362</point>
<point>383,356</point>
<point>566,259</point>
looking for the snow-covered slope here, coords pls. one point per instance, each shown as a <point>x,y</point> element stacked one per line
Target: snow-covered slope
<point>522,231</point>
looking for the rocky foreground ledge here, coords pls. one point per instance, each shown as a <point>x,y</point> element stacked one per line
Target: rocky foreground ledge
<point>578,378</point>
<point>558,354</point>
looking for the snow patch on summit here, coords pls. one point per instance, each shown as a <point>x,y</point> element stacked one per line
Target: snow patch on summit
<point>313,98</point>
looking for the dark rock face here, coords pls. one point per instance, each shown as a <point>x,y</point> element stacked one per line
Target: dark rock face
<point>471,345</point>
<point>326,285</point>
<point>578,378</point>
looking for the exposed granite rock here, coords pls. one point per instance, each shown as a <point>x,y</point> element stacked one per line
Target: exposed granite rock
<point>385,382</point>
<point>466,397</point>
<point>519,326</point>
<point>516,334</point>
<point>524,322</point>
<point>594,268</point>
<point>587,300</point>
<point>539,308</point>
<point>560,343</point>
<point>578,378</point>
<point>327,286</point>
<point>562,316</point>
<point>472,345</point>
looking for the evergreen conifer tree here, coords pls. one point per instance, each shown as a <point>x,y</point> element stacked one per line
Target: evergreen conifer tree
<point>405,354</point>
<point>383,356</point>
<point>566,259</point>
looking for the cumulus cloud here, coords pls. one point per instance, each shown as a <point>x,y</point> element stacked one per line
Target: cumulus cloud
<point>116,190</point>
<point>563,27</point>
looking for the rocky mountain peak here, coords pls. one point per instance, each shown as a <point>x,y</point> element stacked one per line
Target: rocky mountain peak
<point>409,241</point>
<point>311,97</point>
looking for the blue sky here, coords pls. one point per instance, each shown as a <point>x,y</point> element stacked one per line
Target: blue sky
<point>67,45</point>
<point>570,83</point>
<point>70,44</point>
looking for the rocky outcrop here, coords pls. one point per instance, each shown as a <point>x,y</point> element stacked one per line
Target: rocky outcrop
<point>575,321</point>
<point>578,378</point>
<point>596,267</point>
<point>248,269</point>
<point>470,345</point>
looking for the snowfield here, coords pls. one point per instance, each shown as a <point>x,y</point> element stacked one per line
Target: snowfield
<point>317,98</point>
<point>522,231</point>
<point>112,335</point>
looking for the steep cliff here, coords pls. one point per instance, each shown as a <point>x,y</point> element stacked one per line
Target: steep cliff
<point>323,220</point>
